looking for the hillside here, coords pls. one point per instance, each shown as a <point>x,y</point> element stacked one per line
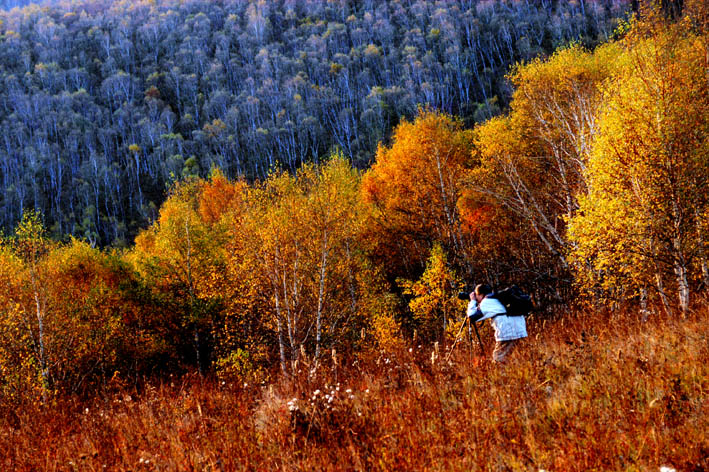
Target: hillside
<point>106,103</point>
<point>241,278</point>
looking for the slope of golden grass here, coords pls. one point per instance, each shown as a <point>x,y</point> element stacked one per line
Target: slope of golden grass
<point>583,393</point>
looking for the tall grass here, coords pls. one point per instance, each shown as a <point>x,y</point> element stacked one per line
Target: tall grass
<point>582,393</point>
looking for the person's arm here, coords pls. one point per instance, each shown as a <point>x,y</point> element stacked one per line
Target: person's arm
<point>474,313</point>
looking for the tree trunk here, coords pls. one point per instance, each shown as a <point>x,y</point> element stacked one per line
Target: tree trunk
<point>281,340</point>
<point>702,253</point>
<point>682,286</point>
<point>198,357</point>
<point>663,296</point>
<point>321,296</point>
<point>643,304</point>
<point>42,355</point>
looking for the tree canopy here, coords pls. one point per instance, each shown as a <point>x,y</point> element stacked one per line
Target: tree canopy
<point>105,103</point>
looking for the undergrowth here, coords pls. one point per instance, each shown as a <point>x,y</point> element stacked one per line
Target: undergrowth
<point>586,392</point>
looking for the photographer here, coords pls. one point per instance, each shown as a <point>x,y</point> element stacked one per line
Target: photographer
<point>508,329</point>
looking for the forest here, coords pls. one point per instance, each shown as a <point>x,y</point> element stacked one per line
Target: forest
<point>106,103</point>
<point>303,314</point>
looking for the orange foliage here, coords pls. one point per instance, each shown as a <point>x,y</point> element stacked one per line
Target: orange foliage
<point>476,215</point>
<point>99,325</point>
<point>219,196</point>
<point>414,186</point>
<point>70,317</point>
<point>530,165</point>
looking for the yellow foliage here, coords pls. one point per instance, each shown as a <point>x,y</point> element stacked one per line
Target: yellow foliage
<point>434,296</point>
<point>649,168</point>
<point>295,259</point>
<point>530,162</point>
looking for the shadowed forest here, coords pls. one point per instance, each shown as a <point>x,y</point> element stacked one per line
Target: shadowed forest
<point>295,192</point>
<point>106,103</point>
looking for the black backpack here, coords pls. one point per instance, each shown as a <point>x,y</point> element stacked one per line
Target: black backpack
<point>515,301</point>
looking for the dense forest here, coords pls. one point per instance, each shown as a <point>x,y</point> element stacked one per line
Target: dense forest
<point>104,104</point>
<point>10,4</point>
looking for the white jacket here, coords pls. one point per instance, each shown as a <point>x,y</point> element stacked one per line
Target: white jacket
<point>506,327</point>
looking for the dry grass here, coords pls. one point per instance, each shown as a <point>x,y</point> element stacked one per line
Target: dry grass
<point>581,394</point>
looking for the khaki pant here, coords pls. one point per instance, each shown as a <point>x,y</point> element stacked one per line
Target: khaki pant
<point>502,350</point>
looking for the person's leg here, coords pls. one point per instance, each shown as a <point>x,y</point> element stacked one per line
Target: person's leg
<point>502,349</point>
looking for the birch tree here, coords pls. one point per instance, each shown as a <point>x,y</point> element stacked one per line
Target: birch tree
<point>649,168</point>
<point>532,161</point>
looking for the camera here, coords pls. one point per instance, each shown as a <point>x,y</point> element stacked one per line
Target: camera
<point>464,296</point>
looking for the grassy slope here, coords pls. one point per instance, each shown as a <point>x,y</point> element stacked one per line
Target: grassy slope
<point>584,393</point>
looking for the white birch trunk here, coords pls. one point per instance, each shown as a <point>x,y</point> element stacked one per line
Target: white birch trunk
<point>682,286</point>
<point>321,295</point>
<point>281,341</point>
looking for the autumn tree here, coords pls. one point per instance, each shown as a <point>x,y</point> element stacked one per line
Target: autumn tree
<point>532,161</point>
<point>643,223</point>
<point>72,316</point>
<point>104,322</point>
<point>21,378</point>
<point>301,250</point>
<point>433,297</point>
<point>180,256</point>
<point>241,337</point>
<point>273,253</point>
<point>414,186</point>
<point>334,214</point>
<point>32,246</point>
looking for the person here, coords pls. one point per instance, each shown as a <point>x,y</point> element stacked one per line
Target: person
<point>508,329</point>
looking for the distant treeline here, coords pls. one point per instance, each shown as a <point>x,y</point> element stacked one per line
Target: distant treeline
<point>9,4</point>
<point>104,104</point>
